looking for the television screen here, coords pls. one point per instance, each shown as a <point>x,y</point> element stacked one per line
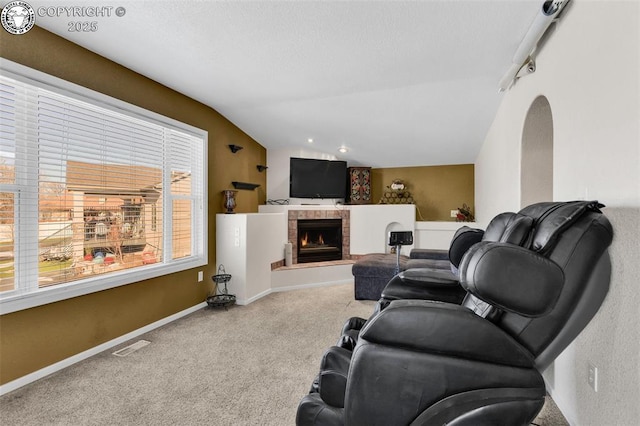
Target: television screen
<point>311,178</point>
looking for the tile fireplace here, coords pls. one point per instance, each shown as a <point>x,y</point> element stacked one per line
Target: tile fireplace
<point>319,235</point>
<point>319,240</point>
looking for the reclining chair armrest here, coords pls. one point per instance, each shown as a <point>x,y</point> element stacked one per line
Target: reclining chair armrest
<point>512,278</point>
<point>312,410</point>
<point>353,323</point>
<point>424,284</point>
<point>432,254</point>
<point>445,329</point>
<point>332,381</point>
<point>348,339</point>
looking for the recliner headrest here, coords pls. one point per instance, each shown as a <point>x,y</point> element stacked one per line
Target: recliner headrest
<point>512,278</point>
<point>552,218</point>
<point>512,228</point>
<point>523,279</point>
<point>517,230</point>
<point>462,240</point>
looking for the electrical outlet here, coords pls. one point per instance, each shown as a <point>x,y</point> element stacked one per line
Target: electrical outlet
<point>200,276</point>
<point>592,377</point>
<point>454,213</point>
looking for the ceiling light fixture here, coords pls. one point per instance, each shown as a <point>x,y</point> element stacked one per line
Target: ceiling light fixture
<point>310,140</point>
<point>343,149</point>
<point>522,63</point>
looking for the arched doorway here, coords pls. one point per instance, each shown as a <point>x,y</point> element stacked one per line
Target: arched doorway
<point>536,161</point>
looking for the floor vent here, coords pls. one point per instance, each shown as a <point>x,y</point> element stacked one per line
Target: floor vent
<point>131,348</point>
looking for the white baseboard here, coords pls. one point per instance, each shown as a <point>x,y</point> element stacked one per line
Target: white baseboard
<point>290,288</point>
<point>312,285</point>
<point>253,298</point>
<point>559,401</point>
<point>36,375</point>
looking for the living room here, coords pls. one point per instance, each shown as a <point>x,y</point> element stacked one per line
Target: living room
<point>588,73</point>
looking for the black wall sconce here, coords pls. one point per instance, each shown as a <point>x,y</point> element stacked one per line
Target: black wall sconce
<point>261,168</point>
<point>235,148</point>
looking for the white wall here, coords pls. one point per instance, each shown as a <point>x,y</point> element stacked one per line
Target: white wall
<point>589,72</point>
<point>371,224</point>
<point>231,231</point>
<point>267,234</point>
<point>247,244</point>
<point>437,235</point>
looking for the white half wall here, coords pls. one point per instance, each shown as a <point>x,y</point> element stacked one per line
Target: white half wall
<point>371,224</point>
<point>247,244</point>
<point>589,71</point>
<point>293,279</point>
<point>437,235</point>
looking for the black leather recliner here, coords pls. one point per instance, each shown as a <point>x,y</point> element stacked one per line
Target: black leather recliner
<point>420,362</point>
<point>430,283</point>
<point>440,284</point>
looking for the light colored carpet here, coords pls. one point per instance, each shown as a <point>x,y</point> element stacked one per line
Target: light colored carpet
<point>249,365</point>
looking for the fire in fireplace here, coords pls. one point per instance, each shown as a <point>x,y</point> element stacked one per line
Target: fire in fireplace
<point>319,240</point>
<point>306,242</point>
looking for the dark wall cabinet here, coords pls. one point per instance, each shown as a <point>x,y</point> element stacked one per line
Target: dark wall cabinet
<point>359,185</point>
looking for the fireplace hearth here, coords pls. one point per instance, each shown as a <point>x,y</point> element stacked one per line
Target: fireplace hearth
<point>319,240</point>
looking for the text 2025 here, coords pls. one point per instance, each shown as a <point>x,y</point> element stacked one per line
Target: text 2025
<point>86,26</point>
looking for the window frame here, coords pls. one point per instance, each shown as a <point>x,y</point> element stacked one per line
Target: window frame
<point>17,299</point>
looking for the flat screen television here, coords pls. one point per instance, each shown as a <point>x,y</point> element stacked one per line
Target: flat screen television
<point>312,178</point>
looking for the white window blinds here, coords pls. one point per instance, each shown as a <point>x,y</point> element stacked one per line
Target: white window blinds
<point>89,191</point>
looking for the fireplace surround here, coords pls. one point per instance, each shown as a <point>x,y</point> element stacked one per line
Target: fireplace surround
<point>321,251</point>
<point>319,240</point>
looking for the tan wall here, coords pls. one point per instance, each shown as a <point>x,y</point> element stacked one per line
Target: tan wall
<point>436,190</point>
<point>38,337</point>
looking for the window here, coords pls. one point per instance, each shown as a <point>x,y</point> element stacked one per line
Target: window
<point>94,192</point>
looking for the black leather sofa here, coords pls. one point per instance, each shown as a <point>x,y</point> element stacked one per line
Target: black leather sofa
<point>425,362</point>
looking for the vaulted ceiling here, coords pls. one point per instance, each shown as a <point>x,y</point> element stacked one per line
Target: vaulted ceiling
<point>398,83</point>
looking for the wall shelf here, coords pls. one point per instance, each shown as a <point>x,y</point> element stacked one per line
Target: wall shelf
<point>245,185</point>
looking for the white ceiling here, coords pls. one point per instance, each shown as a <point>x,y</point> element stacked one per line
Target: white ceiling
<point>399,83</point>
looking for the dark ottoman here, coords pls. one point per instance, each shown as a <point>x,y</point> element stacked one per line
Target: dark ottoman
<point>372,272</point>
